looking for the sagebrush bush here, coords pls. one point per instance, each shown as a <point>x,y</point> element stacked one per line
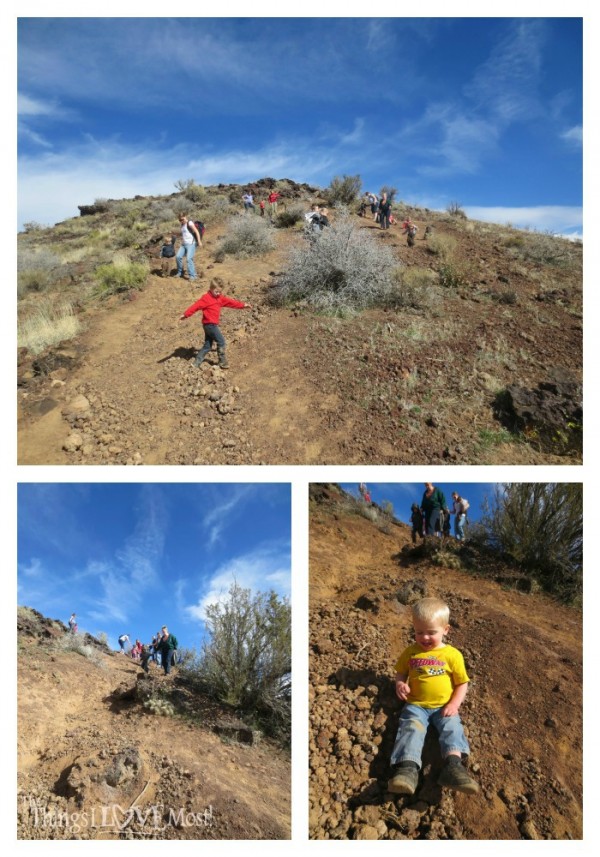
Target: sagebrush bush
<point>289,217</point>
<point>121,275</point>
<point>75,643</point>
<point>441,245</point>
<point>46,326</point>
<point>247,236</point>
<point>42,260</point>
<point>413,286</point>
<point>343,189</point>
<point>195,194</point>
<point>338,270</point>
<point>162,212</point>
<point>454,208</point>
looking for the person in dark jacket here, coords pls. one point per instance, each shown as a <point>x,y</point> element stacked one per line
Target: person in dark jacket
<point>416,519</point>
<point>432,504</point>
<point>167,254</point>
<point>167,646</point>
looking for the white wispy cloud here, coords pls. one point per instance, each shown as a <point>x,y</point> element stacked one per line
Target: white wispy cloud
<point>552,218</point>
<point>506,84</point>
<point>574,135</point>
<point>220,516</point>
<point>264,569</point>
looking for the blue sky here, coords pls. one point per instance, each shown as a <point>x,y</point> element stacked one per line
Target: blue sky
<point>486,112</point>
<point>129,558</point>
<point>403,495</point>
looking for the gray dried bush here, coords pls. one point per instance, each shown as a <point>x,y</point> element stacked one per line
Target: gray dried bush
<point>36,270</point>
<point>339,270</point>
<point>247,236</point>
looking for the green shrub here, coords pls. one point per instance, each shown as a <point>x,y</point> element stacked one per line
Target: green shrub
<point>344,189</point>
<point>195,193</point>
<point>121,275</point>
<point>247,236</point>
<point>453,275</point>
<point>290,217</point>
<point>339,270</point>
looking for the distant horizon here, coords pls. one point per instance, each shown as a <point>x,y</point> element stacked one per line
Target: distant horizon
<point>475,111</point>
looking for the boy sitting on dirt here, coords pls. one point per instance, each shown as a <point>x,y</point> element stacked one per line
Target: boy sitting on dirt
<point>432,682</point>
<point>211,304</point>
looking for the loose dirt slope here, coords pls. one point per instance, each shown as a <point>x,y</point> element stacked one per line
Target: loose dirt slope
<point>94,763</point>
<point>404,386</point>
<point>523,713</point>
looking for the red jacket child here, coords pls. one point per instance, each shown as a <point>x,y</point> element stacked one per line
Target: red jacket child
<point>211,305</point>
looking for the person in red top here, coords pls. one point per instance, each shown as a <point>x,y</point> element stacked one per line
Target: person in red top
<point>273,197</point>
<point>211,304</point>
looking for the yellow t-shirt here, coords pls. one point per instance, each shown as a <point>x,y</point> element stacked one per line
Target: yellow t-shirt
<point>432,674</point>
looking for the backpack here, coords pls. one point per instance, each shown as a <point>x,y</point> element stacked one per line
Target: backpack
<point>200,227</point>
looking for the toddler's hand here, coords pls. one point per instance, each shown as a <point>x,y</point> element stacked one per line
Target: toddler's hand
<point>450,709</point>
<point>402,690</point>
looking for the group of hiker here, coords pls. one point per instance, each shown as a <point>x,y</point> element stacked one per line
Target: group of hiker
<point>161,650</point>
<point>381,211</point>
<point>271,200</point>
<point>432,517</point>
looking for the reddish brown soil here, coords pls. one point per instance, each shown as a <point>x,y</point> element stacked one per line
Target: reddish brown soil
<point>523,713</point>
<point>75,722</point>
<point>408,386</point>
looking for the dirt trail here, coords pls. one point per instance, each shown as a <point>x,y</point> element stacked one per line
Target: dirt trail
<point>147,403</point>
<point>67,761</point>
<point>302,389</point>
<point>523,714</point>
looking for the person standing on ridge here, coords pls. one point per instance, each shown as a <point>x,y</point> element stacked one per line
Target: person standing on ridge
<point>168,645</point>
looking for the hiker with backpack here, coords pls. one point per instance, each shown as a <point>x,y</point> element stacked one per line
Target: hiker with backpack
<point>432,504</point>
<point>460,508</point>
<point>211,305</point>
<point>123,640</point>
<point>168,646</point>
<point>73,624</point>
<point>190,239</point>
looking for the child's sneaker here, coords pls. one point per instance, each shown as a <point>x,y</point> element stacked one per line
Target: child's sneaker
<point>404,781</point>
<point>456,777</point>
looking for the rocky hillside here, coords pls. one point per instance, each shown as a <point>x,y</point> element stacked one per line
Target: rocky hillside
<point>480,361</point>
<point>121,755</point>
<point>523,713</point>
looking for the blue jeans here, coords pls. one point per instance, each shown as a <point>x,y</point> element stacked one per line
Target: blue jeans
<point>459,527</point>
<point>186,250</point>
<point>412,729</point>
<point>432,522</point>
<point>212,333</point>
